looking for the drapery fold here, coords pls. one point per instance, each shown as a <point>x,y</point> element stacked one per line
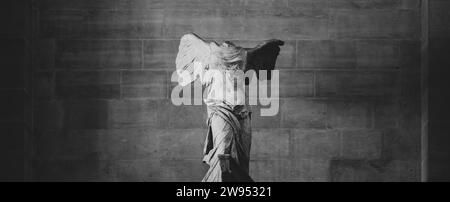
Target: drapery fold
<point>228,134</point>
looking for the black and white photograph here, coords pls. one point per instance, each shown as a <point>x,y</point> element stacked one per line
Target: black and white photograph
<point>240,91</point>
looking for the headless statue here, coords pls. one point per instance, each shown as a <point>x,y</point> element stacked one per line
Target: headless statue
<point>220,69</point>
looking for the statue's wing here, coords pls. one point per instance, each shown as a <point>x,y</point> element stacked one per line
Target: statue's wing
<point>263,56</point>
<point>193,56</point>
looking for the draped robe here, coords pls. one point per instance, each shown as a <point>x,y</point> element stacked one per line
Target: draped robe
<point>220,69</point>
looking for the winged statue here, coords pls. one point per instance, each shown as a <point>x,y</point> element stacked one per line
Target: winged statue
<point>221,68</point>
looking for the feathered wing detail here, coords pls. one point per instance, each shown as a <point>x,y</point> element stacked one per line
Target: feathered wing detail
<point>193,55</point>
<point>264,56</point>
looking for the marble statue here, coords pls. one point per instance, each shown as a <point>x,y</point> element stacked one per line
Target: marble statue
<point>220,68</point>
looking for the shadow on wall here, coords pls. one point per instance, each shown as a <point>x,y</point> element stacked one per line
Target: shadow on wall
<point>81,136</point>
<point>349,87</point>
<point>15,91</point>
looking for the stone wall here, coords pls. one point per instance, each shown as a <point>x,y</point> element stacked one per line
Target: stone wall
<point>349,85</point>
